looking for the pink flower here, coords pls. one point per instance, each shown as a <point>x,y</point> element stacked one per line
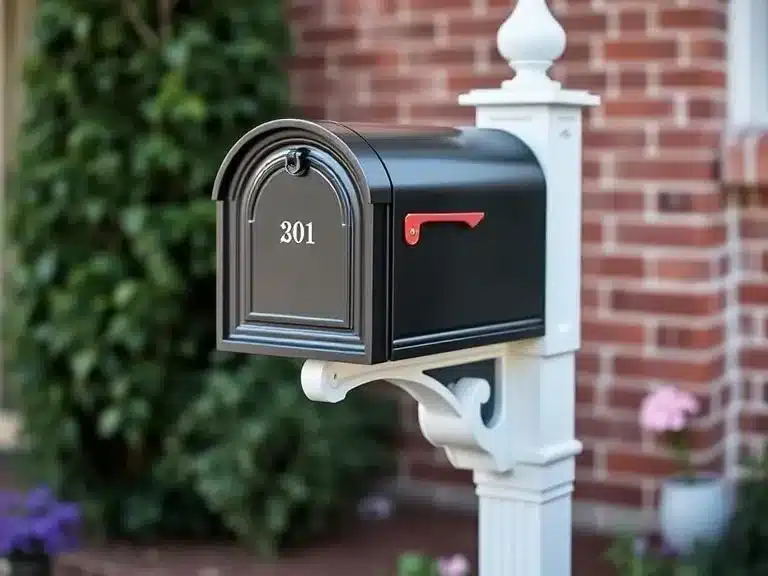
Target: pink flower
<point>456,565</point>
<point>668,409</point>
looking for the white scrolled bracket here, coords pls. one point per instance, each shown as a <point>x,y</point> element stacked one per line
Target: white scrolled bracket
<point>449,417</point>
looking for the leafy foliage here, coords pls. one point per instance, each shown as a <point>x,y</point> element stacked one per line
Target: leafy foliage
<point>743,551</point>
<point>130,108</point>
<point>416,564</point>
<point>629,558</point>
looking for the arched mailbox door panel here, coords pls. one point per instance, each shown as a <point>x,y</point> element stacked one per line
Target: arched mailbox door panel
<point>367,243</point>
<point>285,219</point>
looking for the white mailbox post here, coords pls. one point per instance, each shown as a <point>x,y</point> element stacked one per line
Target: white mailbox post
<point>523,460</point>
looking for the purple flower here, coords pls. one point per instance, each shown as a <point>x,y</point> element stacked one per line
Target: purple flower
<point>39,501</point>
<point>37,523</point>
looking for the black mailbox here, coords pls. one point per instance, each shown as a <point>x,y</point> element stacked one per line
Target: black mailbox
<point>364,243</point>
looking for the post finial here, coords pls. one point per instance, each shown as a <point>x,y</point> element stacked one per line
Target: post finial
<point>531,39</point>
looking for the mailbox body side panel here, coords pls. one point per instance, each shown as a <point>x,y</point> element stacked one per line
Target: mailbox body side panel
<point>476,280</point>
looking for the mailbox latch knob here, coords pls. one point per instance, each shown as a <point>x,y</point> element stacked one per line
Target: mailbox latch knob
<point>414,222</point>
<point>297,162</point>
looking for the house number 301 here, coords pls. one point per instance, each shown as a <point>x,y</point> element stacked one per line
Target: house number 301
<point>296,232</point>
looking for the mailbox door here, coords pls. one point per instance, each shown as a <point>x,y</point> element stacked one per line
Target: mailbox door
<point>299,241</point>
<point>301,246</point>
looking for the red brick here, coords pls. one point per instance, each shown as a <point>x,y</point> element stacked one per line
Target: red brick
<point>586,459</point>
<point>590,169</point>
<point>755,358</point>
<point>585,393</point>
<point>639,300</point>
<point>756,423</point>
<point>684,269</point>
<point>747,325</point>
<point>667,169</point>
<point>612,138</point>
<point>753,227</point>
<point>390,84</point>
<point>688,138</point>
<point>688,18</point>
<point>598,426</point>
<point>631,462</point>
<point>696,78</point>
<point>477,27</point>
<point>368,59</point>
<point>335,33</point>
<point>753,293</point>
<point>633,19</point>
<point>592,231</point>
<point>441,113</point>
<point>464,79</point>
<point>434,5</point>
<point>633,80</point>
<point>689,338</point>
<point>458,55</point>
<point>624,398</point>
<point>640,50</point>
<point>589,297</point>
<point>611,201</point>
<point>576,51</point>
<point>592,80</point>
<point>583,22</point>
<point>668,370</point>
<point>587,363</point>
<point>696,202</point>
<point>608,491</point>
<point>704,108</point>
<point>671,235</point>
<point>708,48</point>
<point>379,112</point>
<point>614,266</point>
<point>638,108</point>
<point>422,32</point>
<point>612,331</point>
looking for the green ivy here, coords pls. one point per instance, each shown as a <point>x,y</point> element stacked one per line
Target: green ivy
<point>130,107</point>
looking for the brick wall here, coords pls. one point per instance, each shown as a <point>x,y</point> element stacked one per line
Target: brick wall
<point>754,320</point>
<point>745,171</point>
<point>660,289</point>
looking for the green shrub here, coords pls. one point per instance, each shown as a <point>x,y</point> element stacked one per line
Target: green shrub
<point>743,551</point>
<point>130,108</point>
<point>629,557</point>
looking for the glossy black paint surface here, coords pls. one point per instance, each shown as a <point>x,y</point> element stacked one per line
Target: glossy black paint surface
<point>358,292</point>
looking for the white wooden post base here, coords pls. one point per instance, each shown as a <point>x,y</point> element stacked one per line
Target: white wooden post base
<point>525,526</point>
<point>523,459</point>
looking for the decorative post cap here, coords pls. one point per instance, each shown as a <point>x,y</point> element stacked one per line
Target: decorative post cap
<point>531,39</point>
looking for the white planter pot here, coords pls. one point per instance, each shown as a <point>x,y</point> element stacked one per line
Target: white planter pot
<point>693,510</point>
